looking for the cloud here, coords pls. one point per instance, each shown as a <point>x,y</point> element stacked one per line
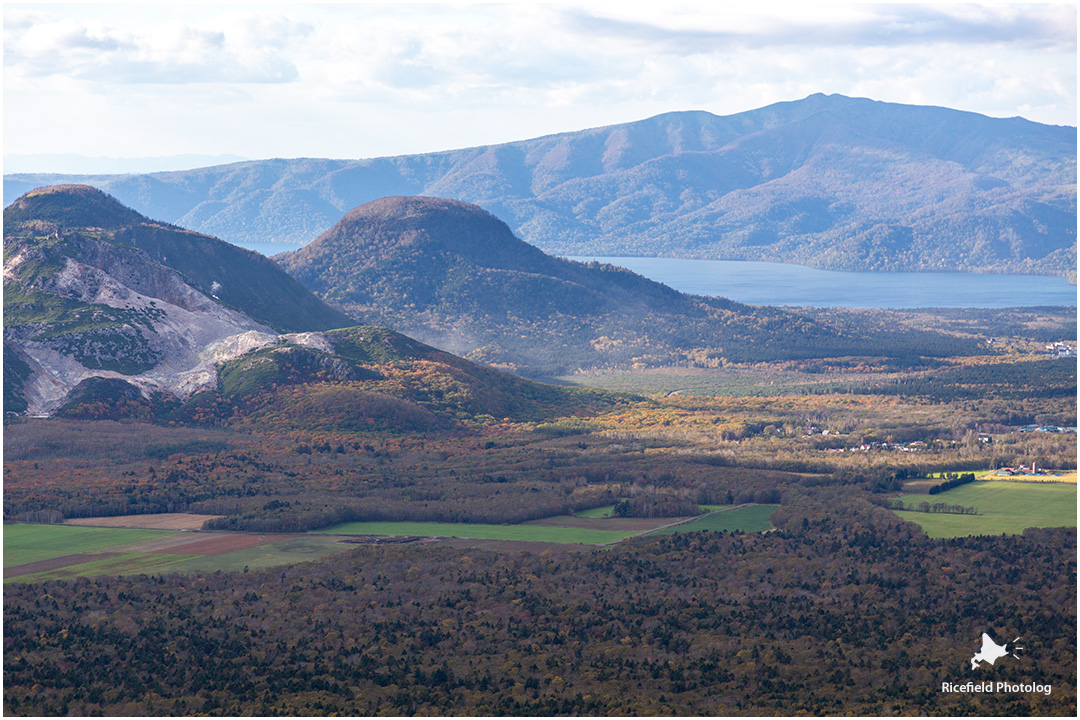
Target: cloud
<point>1052,27</point>
<point>467,56</point>
<point>234,49</point>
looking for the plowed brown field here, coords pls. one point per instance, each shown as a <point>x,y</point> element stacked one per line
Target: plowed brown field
<point>221,544</point>
<point>55,563</point>
<point>160,521</point>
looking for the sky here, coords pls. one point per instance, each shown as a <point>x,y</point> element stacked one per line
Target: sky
<point>357,80</point>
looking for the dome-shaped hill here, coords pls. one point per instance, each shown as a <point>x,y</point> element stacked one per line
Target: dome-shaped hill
<point>397,229</point>
<point>71,206</point>
<point>453,276</point>
<point>398,257</point>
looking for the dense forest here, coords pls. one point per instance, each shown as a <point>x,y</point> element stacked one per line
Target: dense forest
<point>843,610</point>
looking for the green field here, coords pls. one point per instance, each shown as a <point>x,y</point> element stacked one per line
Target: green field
<point>752,518</point>
<point>597,512</point>
<point>1003,507</point>
<point>285,552</point>
<point>32,543</point>
<point>606,511</point>
<point>478,531</point>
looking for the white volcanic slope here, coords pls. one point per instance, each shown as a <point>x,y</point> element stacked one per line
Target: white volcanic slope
<point>191,331</point>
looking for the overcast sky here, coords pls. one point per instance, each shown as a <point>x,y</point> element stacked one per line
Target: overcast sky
<point>363,80</point>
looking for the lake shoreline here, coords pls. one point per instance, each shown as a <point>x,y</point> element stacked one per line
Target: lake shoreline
<point>789,285</point>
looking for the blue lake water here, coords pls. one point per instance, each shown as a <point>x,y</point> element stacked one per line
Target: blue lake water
<point>269,249</point>
<point>758,283</point>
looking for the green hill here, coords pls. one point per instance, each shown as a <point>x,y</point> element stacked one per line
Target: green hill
<point>364,379</point>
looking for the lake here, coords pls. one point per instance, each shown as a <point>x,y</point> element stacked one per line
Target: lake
<point>269,249</point>
<point>758,283</point>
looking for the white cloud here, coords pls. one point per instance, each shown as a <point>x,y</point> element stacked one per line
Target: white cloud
<point>244,49</point>
<point>688,30</point>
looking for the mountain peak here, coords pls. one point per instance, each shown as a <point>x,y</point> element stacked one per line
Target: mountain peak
<point>72,206</point>
<point>416,206</point>
<point>397,226</point>
<point>830,181</point>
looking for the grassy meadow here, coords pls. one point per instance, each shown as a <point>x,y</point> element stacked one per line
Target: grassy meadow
<point>481,531</point>
<point>284,552</point>
<point>35,553</point>
<point>51,552</point>
<point>604,511</point>
<point>1003,508</point>
<point>741,382</point>
<point>752,518</point>
<point>34,543</point>
<point>123,564</point>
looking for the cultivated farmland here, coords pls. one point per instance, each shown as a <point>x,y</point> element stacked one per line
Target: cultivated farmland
<point>48,552</point>
<point>592,527</point>
<point>528,533</point>
<point>1002,507</point>
<point>33,543</point>
<point>153,521</point>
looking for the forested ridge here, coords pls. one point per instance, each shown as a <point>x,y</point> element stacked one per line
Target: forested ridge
<point>844,610</point>
<point>828,181</point>
<point>454,276</point>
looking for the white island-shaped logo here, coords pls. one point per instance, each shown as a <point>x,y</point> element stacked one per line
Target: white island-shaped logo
<point>991,651</point>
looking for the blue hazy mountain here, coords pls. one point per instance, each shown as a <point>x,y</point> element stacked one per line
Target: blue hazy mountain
<point>827,181</point>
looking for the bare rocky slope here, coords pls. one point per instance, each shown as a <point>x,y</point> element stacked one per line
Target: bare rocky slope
<point>92,289</point>
<point>828,181</point>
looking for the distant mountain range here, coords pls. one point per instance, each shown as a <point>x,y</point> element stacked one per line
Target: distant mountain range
<point>827,181</point>
<point>72,163</point>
